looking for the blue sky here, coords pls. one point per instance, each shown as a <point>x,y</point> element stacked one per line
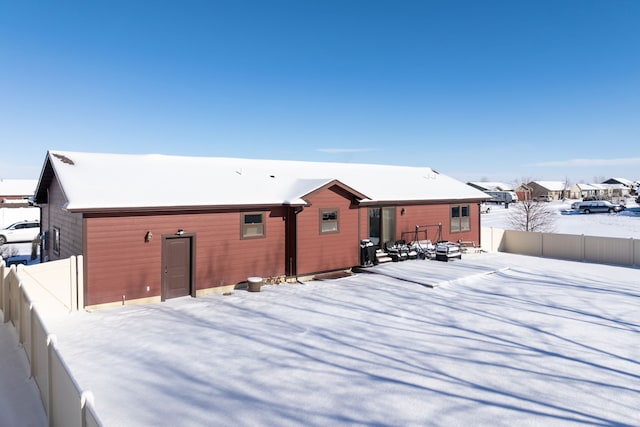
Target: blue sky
<point>479,90</point>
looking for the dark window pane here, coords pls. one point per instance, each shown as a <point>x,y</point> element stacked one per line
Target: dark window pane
<point>253,219</point>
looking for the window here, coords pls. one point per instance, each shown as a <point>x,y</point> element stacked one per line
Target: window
<point>329,221</point>
<point>460,218</point>
<point>252,225</point>
<point>56,240</point>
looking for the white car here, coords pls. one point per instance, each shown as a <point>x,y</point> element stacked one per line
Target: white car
<point>23,231</point>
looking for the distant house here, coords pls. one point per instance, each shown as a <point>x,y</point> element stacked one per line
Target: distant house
<point>582,190</point>
<point>617,190</point>
<point>491,186</point>
<point>17,191</point>
<point>556,189</point>
<point>523,192</point>
<point>599,191</point>
<point>154,227</point>
<point>621,187</point>
<point>622,181</point>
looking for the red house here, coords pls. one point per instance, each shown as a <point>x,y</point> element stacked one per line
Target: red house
<point>152,227</point>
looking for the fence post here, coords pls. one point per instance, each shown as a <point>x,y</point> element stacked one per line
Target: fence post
<point>73,294</point>
<point>80,281</point>
<point>86,398</point>
<point>51,343</point>
<point>2,309</point>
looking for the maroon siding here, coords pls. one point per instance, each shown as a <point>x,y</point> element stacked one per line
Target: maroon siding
<point>427,215</point>
<point>436,214</point>
<point>119,263</point>
<point>318,252</point>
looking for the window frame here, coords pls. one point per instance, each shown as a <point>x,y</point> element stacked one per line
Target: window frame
<point>460,223</point>
<point>322,221</point>
<point>245,226</point>
<point>55,244</point>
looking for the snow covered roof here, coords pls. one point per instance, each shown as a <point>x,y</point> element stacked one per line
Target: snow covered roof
<point>552,185</point>
<point>18,187</point>
<point>491,185</point>
<point>623,181</point>
<point>586,187</point>
<point>112,181</point>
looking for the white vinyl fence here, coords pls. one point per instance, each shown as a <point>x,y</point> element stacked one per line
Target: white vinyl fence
<point>26,303</point>
<point>602,250</point>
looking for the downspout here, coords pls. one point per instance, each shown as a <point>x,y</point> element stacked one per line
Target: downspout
<point>479,226</point>
<point>293,257</point>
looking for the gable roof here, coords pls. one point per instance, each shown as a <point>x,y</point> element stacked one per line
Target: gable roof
<point>491,186</point>
<point>551,185</point>
<point>115,181</point>
<point>622,181</point>
<point>587,187</point>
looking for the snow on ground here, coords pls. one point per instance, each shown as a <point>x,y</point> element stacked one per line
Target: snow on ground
<point>503,340</point>
<point>19,400</point>
<point>624,224</point>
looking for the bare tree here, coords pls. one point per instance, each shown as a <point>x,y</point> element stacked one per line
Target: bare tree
<point>8,251</point>
<point>565,189</point>
<point>532,216</point>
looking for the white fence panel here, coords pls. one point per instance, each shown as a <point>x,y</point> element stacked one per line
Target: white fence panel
<point>64,406</point>
<point>521,242</point>
<point>4,272</point>
<point>24,331</point>
<point>609,250</point>
<point>604,250</point>
<point>491,239</point>
<point>14,298</point>
<point>563,246</point>
<point>40,358</point>
<point>54,284</point>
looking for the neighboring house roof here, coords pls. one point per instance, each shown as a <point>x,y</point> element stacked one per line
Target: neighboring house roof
<point>17,187</point>
<point>585,187</point>
<point>620,187</point>
<point>92,181</point>
<point>623,181</point>
<point>491,186</point>
<point>552,185</point>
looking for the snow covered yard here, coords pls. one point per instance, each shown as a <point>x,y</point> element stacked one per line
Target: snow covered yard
<point>502,340</point>
<point>625,224</point>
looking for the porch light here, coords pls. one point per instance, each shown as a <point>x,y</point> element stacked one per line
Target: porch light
<point>148,237</point>
<point>180,232</point>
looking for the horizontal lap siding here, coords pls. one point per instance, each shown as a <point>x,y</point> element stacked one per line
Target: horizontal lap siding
<point>69,224</point>
<point>432,215</point>
<point>332,251</point>
<point>120,263</point>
